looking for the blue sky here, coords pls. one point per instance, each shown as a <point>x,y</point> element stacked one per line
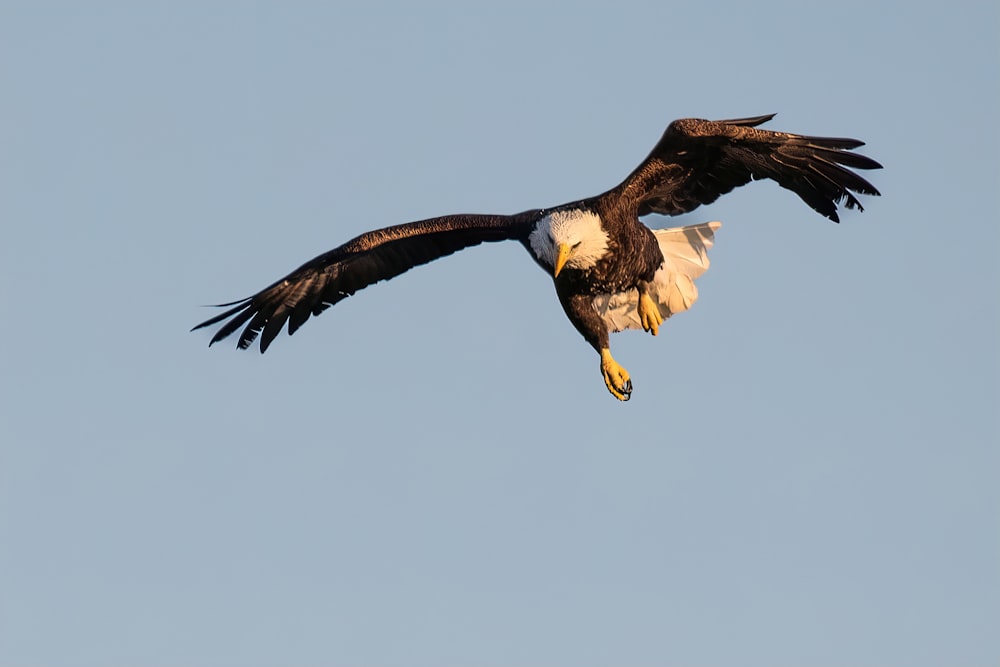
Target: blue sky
<point>432,473</point>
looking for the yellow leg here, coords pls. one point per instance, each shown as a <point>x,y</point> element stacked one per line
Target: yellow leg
<point>615,377</point>
<point>649,314</point>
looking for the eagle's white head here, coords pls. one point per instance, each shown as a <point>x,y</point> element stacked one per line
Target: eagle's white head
<point>572,238</point>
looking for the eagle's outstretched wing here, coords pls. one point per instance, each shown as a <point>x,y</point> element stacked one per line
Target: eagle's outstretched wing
<point>696,161</point>
<point>362,261</point>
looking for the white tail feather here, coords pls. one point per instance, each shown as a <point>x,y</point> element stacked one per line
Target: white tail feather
<point>685,257</point>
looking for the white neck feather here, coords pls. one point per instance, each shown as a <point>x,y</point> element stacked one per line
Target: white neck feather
<point>579,229</point>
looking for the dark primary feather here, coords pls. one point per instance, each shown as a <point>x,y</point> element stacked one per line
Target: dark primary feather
<point>696,161</point>
<point>378,255</point>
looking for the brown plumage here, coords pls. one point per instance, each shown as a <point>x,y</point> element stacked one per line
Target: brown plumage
<point>605,249</point>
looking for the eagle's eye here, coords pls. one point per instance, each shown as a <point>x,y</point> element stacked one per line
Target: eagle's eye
<point>577,245</point>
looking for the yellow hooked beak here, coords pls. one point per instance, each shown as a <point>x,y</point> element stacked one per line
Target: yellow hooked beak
<point>564,251</point>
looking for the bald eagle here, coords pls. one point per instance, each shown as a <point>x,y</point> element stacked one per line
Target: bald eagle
<point>611,272</point>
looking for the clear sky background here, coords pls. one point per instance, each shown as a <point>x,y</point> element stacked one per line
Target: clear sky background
<point>432,473</point>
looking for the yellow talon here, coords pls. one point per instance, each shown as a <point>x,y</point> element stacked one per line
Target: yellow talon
<point>615,377</point>
<point>649,314</point>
